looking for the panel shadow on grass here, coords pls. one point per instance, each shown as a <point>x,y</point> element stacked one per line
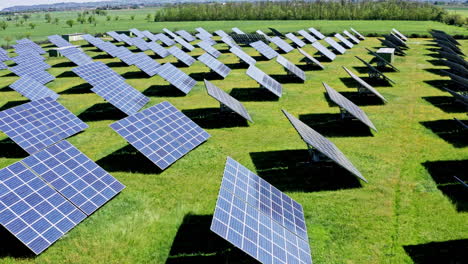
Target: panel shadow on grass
<point>260,58</point>
<point>253,94</point>
<point>449,130</point>
<point>449,252</point>
<point>283,169</point>
<point>102,56</point>
<point>211,118</point>
<point>195,243</point>
<point>200,76</point>
<point>349,82</point>
<point>135,75</point>
<point>361,99</point>
<point>67,64</point>
<point>441,84</point>
<point>236,66</point>
<point>101,111</point>
<point>9,149</point>
<point>331,125</point>
<point>163,91</point>
<point>309,67</point>
<point>377,82</point>
<point>442,173</point>
<point>11,104</point>
<point>437,62</point>
<point>128,159</point>
<point>447,104</point>
<point>10,246</point>
<point>6,89</point>
<point>78,89</point>
<point>117,64</point>
<point>67,74</point>
<point>285,78</point>
<point>361,69</point>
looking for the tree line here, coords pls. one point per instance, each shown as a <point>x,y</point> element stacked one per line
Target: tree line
<point>305,10</point>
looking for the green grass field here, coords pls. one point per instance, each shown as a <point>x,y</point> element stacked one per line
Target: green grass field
<point>463,11</point>
<point>161,216</point>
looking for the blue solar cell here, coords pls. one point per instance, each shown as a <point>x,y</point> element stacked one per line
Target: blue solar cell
<point>27,58</point>
<point>158,49</point>
<point>75,176</point>
<point>32,89</point>
<point>114,35</point>
<point>181,55</point>
<point>95,73</point>
<point>140,44</point>
<point>165,40</point>
<point>162,133</point>
<point>4,55</point>
<point>264,49</point>
<point>176,77</point>
<point>26,68</point>
<point>3,66</point>
<point>208,48</point>
<point>187,36</point>
<point>32,211</point>
<point>59,41</point>
<point>137,33</point>
<point>184,44</point>
<point>39,124</point>
<point>146,64</point>
<point>215,65</point>
<point>42,77</point>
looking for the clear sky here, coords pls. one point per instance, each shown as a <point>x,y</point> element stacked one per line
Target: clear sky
<point>9,3</point>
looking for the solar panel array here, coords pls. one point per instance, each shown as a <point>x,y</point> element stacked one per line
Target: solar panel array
<point>208,48</point>
<point>316,33</point>
<point>150,36</point>
<point>258,31</point>
<point>349,106</point>
<point>95,73</point>
<point>215,65</point>
<point>229,41</point>
<point>206,38</point>
<point>264,49</point>
<point>181,55</point>
<point>76,56</point>
<point>237,30</point>
<point>165,40</point>
<point>242,55</point>
<point>295,40</point>
<point>322,144</point>
<point>310,59</point>
<point>114,35</point>
<point>26,45</point>
<point>126,39</point>
<point>146,64</point>
<point>283,45</point>
<point>373,71</point>
<point>221,33</point>
<point>184,44</point>
<point>350,36</point>
<point>307,36</point>
<point>248,38</point>
<point>291,68</point>
<point>227,100</point>
<point>158,49</point>
<point>39,124</point>
<point>265,80</point>
<point>335,45</point>
<point>140,44</point>
<point>343,40</point>
<point>32,89</point>
<point>187,36</point>
<point>456,68</point>
<point>324,51</point>
<point>202,31</point>
<point>259,219</point>
<point>59,41</point>
<point>176,77</point>
<point>365,85</point>
<point>162,133</point>
<point>169,32</point>
<point>137,33</point>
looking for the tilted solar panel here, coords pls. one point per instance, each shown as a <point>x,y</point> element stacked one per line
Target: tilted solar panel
<point>382,61</point>
<point>458,79</point>
<point>146,64</point>
<point>150,36</point>
<point>42,77</point>
<point>32,89</point>
<point>204,32</point>
<point>324,51</point>
<point>4,56</point>
<point>257,218</point>
<point>237,30</point>
<point>187,36</point>
<point>316,33</point>
<point>25,68</point>
<point>349,106</point>
<point>114,35</point>
<point>258,31</point>
<point>309,59</point>
<point>32,211</point>
<point>450,45</point>
<point>177,78</point>
<point>208,48</point>
<point>242,55</point>
<point>39,124</point>
<point>283,45</point>
<point>373,72</point>
<point>94,73</point>
<point>140,44</point>
<point>26,58</point>
<point>364,85</point>
<point>158,49</point>
<point>276,32</point>
<point>398,40</point>
<point>3,66</point>
<point>229,41</point>
<point>221,33</point>
<point>59,41</point>
<point>458,96</point>
<point>335,45</point>
<point>391,45</point>
<point>344,40</point>
<point>184,43</point>
<point>215,65</point>
<point>307,36</point>
<point>299,43</point>
<point>350,36</point>
<point>453,58</point>
<point>456,68</point>
<point>165,40</point>
<point>322,144</point>
<point>162,133</point>
<point>169,32</point>
<point>265,80</point>
<point>291,68</point>
<point>227,100</point>
<point>181,55</point>
<point>400,35</point>
<point>206,38</point>
<point>264,49</point>
<point>359,35</point>
<point>126,39</point>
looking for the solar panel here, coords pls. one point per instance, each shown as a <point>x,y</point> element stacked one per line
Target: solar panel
<point>177,77</point>
<point>229,41</point>
<point>208,48</point>
<point>206,38</point>
<point>398,41</point>
<point>126,39</point>
<point>94,73</point>
<point>257,218</point>
<point>290,68</point>
<point>169,32</point>
<point>458,79</point>
<point>458,96</point>
<point>381,61</point>
<point>400,35</point>
<point>137,33</point>
<point>221,33</point>
<point>322,144</point>
<point>165,40</point>
<point>363,86</point>
<point>114,35</point>
<point>350,36</point>
<point>146,64</point>
<point>140,44</point>
<point>248,38</point>
<point>258,31</point>
<point>348,106</point>
<point>69,50</point>
<point>453,58</point>
<point>335,45</point>
<point>158,49</point>
<point>391,45</point>
<point>38,124</point>
<point>307,36</point>
<point>265,80</point>
<point>373,72</point>
<point>185,45</point>
<point>324,51</point>
<point>32,211</point>
<point>457,68</point>
<point>22,69</point>
<point>264,49</point>
<point>237,31</point>
<point>309,59</point>
<point>299,43</point>
<point>358,34</point>
<point>316,33</point>
<point>276,32</point>
<point>465,127</point>
<point>162,133</point>
<point>181,55</point>
<point>121,95</point>
<point>4,56</point>
<point>450,50</point>
<point>450,45</point>
<point>283,45</point>
<point>187,36</point>
<point>32,89</point>
<point>149,35</point>
<point>42,77</point>
<point>3,66</point>
<point>242,55</point>
<point>26,44</point>
<point>344,40</point>
<point>27,58</point>
<point>215,65</point>
<point>59,41</point>
<point>204,32</point>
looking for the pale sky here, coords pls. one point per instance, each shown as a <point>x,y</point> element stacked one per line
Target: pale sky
<point>10,3</point>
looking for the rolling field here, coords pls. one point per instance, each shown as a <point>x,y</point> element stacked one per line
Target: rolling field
<point>164,217</point>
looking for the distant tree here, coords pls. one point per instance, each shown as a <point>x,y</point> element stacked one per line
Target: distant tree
<point>116,18</point>
<point>48,17</point>
<point>91,20</point>
<point>3,25</point>
<point>148,17</point>
<point>22,21</point>
<point>56,21</point>
<point>70,22</point>
<point>8,39</point>
<point>32,25</point>
<point>132,17</point>
<point>26,17</point>
<point>108,18</point>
